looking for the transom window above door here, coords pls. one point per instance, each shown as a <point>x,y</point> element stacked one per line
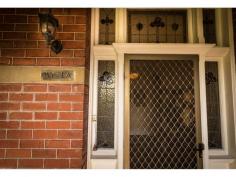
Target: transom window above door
<point>160,26</point>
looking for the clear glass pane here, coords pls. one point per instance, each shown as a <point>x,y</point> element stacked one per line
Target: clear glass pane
<point>107,26</point>
<point>209,25</point>
<point>213,106</point>
<point>106,100</point>
<point>156,26</point>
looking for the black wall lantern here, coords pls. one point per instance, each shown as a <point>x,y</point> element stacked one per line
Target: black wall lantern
<point>48,26</point>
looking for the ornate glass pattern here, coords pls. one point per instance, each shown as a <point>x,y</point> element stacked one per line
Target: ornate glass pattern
<point>105,112</point>
<point>156,26</point>
<point>162,114</point>
<point>213,106</point>
<point>107,26</point>
<point>209,25</point>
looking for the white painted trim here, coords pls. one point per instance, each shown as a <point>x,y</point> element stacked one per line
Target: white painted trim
<point>190,25</point>
<point>121,25</point>
<point>200,32</point>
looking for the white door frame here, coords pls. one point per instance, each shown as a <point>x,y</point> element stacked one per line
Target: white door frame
<point>117,52</point>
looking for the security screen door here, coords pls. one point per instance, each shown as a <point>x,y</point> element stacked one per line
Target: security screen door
<point>162,122</point>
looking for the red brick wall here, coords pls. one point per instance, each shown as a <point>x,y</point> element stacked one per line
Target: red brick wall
<point>43,125</point>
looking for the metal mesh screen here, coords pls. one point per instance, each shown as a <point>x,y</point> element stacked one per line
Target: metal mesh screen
<point>162,114</point>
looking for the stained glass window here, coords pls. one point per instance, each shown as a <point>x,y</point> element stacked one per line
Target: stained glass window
<point>156,26</point>
<point>106,100</point>
<point>209,25</point>
<point>107,26</point>
<point>213,106</point>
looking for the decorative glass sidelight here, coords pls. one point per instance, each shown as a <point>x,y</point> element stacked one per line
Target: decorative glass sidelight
<point>213,106</point>
<point>156,26</point>
<point>105,104</point>
<point>107,26</point>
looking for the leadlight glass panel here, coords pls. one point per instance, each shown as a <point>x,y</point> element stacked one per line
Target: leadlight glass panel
<point>107,26</point>
<point>106,100</point>
<point>156,26</point>
<point>213,106</point>
<point>209,25</point>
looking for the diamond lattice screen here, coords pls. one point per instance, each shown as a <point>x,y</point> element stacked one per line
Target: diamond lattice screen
<point>162,114</point>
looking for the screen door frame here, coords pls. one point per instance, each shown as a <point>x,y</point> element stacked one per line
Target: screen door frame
<point>198,132</point>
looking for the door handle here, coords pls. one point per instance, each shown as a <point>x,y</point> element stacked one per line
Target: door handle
<point>200,147</point>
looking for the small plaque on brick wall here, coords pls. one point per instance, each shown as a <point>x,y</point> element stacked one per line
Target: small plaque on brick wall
<point>57,75</point>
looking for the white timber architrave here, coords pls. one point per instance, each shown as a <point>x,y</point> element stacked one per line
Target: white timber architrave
<point>200,33</point>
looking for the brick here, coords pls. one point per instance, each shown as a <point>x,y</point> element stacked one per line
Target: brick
<point>14,35</point>
<point>43,153</point>
<point>26,27</point>
<point>5,61</point>
<point>33,19</point>
<point>10,87</point>
<point>71,97</point>
<point>74,28</point>
<point>20,115</point>
<point>70,134</point>
<point>46,115</point>
<point>9,124</point>
<point>18,153</point>
<point>77,124</point>
<point>8,143</point>
<point>13,52</point>
<point>46,97</point>
<point>37,52</point>
<point>65,36</point>
<point>3,96</point>
<point>3,134</point>
<point>81,19</point>
<point>42,44</point>
<point>20,97</point>
<point>59,88</point>
<point>66,19</point>
<point>7,27</point>
<point>58,125</point>
<point>72,62</point>
<point>32,124</point>
<point>27,11</point>
<point>9,106</point>
<point>48,62</point>
<point>63,53</point>
<point>3,115</point>
<point>7,11</point>
<point>77,107</point>
<point>56,163</point>
<point>25,44</point>
<point>78,88</point>
<point>8,163</point>
<point>34,106</point>
<point>44,134</point>
<point>24,61</point>
<point>73,44</point>
<point>57,144</point>
<point>15,19</point>
<point>19,134</point>
<point>80,36</point>
<point>69,153</point>
<point>70,115</point>
<point>35,36</point>
<point>77,11</point>
<point>31,143</point>
<point>30,163</point>
<point>35,87</point>
<point>2,153</point>
<point>75,163</point>
<point>6,44</point>
<point>59,106</point>
<point>79,53</point>
<point>76,143</point>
